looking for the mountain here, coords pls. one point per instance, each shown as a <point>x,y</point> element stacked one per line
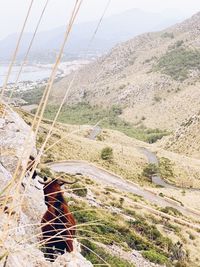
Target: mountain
<point>114,29</point>
<point>153,77</point>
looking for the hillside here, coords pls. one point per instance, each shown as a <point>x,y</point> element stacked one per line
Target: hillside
<point>114,29</point>
<point>117,228</point>
<point>186,139</point>
<point>154,78</point>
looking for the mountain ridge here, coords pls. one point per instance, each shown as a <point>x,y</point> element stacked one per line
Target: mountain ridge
<point>153,76</point>
<point>113,29</point>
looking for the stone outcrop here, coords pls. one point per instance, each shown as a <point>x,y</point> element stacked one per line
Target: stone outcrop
<point>16,139</point>
<point>20,230</point>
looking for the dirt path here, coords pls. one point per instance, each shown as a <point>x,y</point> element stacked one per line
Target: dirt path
<point>111,179</point>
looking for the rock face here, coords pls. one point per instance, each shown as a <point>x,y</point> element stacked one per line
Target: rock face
<point>16,140</point>
<point>20,232</point>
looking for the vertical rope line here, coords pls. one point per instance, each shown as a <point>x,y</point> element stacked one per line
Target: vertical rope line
<point>75,75</point>
<point>75,12</point>
<point>28,50</point>
<point>16,51</point>
<point>46,89</point>
<point>68,30</point>
<point>51,79</point>
<point>29,135</point>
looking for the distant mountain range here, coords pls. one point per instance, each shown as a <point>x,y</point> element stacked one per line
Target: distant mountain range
<point>113,30</point>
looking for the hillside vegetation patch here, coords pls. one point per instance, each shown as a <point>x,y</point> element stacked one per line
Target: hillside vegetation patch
<point>83,113</point>
<point>178,62</point>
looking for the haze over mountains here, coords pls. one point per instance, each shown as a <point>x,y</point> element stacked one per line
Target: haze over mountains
<point>113,30</point>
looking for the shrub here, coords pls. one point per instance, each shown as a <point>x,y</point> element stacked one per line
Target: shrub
<point>171,211</point>
<point>91,251</point>
<point>155,257</point>
<point>157,98</point>
<point>150,170</point>
<point>166,168</point>
<point>181,264</point>
<point>79,190</point>
<point>107,153</point>
<point>178,62</point>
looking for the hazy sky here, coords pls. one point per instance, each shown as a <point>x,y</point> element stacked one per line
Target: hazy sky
<point>12,12</point>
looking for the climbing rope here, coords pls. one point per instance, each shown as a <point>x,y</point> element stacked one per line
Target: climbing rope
<point>16,51</point>
<point>28,50</point>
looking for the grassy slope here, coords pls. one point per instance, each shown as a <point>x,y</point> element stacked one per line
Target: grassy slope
<point>109,118</point>
<point>141,234</point>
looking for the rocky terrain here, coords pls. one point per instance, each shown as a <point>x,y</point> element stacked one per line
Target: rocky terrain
<point>153,77</point>
<point>186,139</point>
<point>20,223</point>
<point>124,218</point>
<point>144,244</point>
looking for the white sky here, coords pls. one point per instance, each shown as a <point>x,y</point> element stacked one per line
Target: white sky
<point>12,12</point>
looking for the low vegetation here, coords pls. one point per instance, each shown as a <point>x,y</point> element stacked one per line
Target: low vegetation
<point>107,153</point>
<point>178,62</point>
<point>153,256</point>
<point>166,168</point>
<point>99,226</point>
<point>150,170</point>
<point>83,113</point>
<point>32,96</point>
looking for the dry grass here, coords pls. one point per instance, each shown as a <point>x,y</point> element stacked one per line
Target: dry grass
<point>186,169</point>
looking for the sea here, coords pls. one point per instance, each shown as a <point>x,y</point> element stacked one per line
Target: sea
<point>39,72</point>
<point>29,73</point>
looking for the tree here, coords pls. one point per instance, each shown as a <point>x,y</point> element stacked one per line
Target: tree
<point>150,170</point>
<point>107,153</point>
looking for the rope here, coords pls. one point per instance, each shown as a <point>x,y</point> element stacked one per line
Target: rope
<point>48,87</point>
<point>28,50</point>
<point>16,51</point>
<point>75,75</point>
<point>52,78</point>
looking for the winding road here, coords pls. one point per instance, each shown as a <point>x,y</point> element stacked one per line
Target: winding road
<point>152,159</point>
<point>110,179</point>
<point>157,179</point>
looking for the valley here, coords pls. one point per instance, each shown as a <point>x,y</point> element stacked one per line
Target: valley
<point>127,134</point>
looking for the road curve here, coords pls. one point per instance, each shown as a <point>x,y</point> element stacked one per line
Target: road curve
<point>157,179</point>
<point>110,179</point>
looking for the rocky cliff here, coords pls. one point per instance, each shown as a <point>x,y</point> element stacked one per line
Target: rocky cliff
<point>20,219</point>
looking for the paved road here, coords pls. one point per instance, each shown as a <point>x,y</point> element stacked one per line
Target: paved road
<point>109,179</point>
<point>94,132</point>
<point>157,179</point>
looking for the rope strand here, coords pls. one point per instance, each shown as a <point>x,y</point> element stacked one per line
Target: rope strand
<point>16,51</point>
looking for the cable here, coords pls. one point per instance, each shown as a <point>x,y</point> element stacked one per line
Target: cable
<point>16,51</point>
<point>75,75</point>
<point>28,50</point>
<point>48,88</point>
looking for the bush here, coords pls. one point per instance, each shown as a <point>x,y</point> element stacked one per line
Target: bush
<point>107,153</point>
<point>168,35</point>
<point>171,211</point>
<point>181,264</point>
<point>166,168</point>
<point>150,170</point>
<point>155,257</point>
<point>91,251</point>
<point>79,190</point>
<point>178,62</point>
